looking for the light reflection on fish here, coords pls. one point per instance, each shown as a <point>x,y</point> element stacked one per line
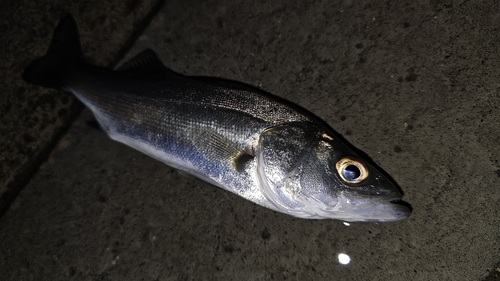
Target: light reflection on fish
<point>231,135</point>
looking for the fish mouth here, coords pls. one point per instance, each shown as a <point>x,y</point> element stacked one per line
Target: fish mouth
<point>402,203</point>
<point>353,209</point>
<point>359,209</point>
<point>402,209</point>
<point>393,210</point>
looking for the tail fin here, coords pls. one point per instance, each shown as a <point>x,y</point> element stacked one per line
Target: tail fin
<point>65,51</point>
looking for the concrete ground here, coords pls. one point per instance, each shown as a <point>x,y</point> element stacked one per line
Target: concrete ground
<point>413,84</point>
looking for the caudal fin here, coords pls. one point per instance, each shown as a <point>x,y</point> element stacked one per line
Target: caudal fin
<point>64,52</point>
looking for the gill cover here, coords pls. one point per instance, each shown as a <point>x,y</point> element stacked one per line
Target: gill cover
<point>293,170</point>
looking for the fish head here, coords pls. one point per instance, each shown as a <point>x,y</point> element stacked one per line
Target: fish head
<point>308,172</point>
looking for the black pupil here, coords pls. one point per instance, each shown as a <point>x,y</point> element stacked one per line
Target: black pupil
<point>351,173</point>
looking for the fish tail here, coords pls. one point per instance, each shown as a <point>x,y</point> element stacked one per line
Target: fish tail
<point>65,51</point>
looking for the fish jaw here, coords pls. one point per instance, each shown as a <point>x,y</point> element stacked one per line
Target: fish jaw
<point>348,207</point>
<point>355,208</point>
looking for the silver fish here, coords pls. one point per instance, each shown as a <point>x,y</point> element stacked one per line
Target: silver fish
<point>232,135</point>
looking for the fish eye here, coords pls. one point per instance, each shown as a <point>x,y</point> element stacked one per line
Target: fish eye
<point>351,170</point>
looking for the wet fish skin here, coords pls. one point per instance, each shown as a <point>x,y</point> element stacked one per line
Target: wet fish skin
<point>229,134</point>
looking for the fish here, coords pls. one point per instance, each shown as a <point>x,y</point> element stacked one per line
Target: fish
<point>232,135</point>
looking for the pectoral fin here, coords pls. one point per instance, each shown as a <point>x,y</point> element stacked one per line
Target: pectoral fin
<point>216,146</point>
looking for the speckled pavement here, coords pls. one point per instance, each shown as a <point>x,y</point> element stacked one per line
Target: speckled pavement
<point>413,85</point>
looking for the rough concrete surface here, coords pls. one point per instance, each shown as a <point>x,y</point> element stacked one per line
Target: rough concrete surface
<point>414,84</point>
<point>32,118</point>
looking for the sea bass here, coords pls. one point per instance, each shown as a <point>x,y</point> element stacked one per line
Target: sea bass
<point>232,135</point>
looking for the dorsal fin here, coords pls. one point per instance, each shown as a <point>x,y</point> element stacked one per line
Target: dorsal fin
<point>226,83</point>
<point>146,62</point>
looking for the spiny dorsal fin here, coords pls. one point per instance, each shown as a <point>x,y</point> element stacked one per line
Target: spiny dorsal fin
<point>147,62</point>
